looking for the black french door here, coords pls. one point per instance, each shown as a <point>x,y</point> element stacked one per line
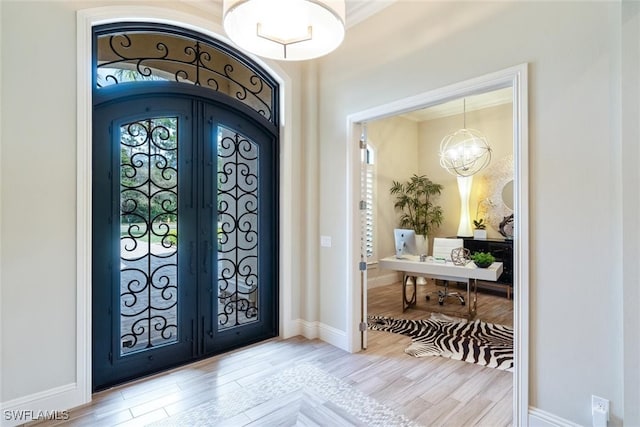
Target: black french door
<point>185,218</point>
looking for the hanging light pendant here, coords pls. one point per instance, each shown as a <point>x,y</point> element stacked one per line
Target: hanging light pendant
<point>463,154</point>
<point>290,30</point>
<point>466,151</point>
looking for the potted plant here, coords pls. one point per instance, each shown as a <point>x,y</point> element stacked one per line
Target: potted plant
<point>415,199</point>
<point>483,259</point>
<point>479,232</point>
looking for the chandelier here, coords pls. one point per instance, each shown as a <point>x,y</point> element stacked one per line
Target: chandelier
<point>464,153</point>
<point>290,30</point>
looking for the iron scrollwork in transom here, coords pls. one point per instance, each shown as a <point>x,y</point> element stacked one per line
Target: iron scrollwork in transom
<point>160,55</point>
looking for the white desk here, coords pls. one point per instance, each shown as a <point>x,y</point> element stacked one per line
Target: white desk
<point>411,266</point>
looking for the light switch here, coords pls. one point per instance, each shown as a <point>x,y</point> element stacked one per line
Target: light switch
<point>325,241</point>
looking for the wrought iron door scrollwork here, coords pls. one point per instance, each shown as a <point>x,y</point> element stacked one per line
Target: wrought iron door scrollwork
<point>238,178</point>
<point>129,56</point>
<point>148,233</point>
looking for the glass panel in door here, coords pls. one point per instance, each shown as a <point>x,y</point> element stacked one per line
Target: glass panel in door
<point>238,179</point>
<point>148,234</point>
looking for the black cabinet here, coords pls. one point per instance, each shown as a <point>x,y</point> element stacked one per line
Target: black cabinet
<point>501,249</point>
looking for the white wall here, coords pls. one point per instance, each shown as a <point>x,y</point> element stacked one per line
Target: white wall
<point>630,153</point>
<point>1,210</point>
<point>573,52</point>
<point>38,197</point>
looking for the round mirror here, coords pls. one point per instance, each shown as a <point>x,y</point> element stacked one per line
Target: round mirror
<point>507,194</point>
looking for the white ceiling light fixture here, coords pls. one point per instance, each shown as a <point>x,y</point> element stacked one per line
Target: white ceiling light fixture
<point>290,30</point>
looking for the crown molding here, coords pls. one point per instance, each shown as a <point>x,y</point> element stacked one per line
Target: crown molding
<point>455,107</point>
<point>360,10</point>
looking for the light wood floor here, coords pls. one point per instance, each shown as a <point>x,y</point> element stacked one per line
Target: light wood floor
<point>387,301</point>
<point>431,391</point>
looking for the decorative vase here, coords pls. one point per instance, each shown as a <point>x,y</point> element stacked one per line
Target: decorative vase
<point>422,246</point>
<point>480,234</point>
<point>421,281</point>
<point>482,264</point>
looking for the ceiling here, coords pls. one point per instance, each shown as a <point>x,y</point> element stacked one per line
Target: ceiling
<point>357,10</point>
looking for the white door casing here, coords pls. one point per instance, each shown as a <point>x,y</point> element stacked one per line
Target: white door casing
<point>516,78</point>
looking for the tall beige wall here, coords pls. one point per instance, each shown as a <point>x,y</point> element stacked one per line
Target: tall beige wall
<point>573,49</point>
<point>396,143</point>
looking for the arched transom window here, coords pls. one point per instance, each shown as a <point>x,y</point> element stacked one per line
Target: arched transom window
<point>142,52</point>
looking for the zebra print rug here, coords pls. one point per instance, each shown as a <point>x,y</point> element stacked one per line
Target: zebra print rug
<point>478,342</point>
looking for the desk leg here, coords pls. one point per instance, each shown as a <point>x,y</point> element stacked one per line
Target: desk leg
<point>406,302</point>
<point>472,303</point>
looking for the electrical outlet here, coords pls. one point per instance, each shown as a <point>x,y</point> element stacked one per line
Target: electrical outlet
<point>599,408</point>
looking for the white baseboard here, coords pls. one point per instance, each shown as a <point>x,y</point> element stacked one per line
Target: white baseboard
<point>48,404</point>
<point>333,336</point>
<point>540,418</point>
<point>383,280</point>
<point>308,329</point>
<point>326,333</point>
<point>289,329</point>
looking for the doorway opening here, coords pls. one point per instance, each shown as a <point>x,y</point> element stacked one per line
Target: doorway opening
<point>514,81</point>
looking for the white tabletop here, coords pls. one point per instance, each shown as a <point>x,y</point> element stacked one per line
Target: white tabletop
<point>412,265</point>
